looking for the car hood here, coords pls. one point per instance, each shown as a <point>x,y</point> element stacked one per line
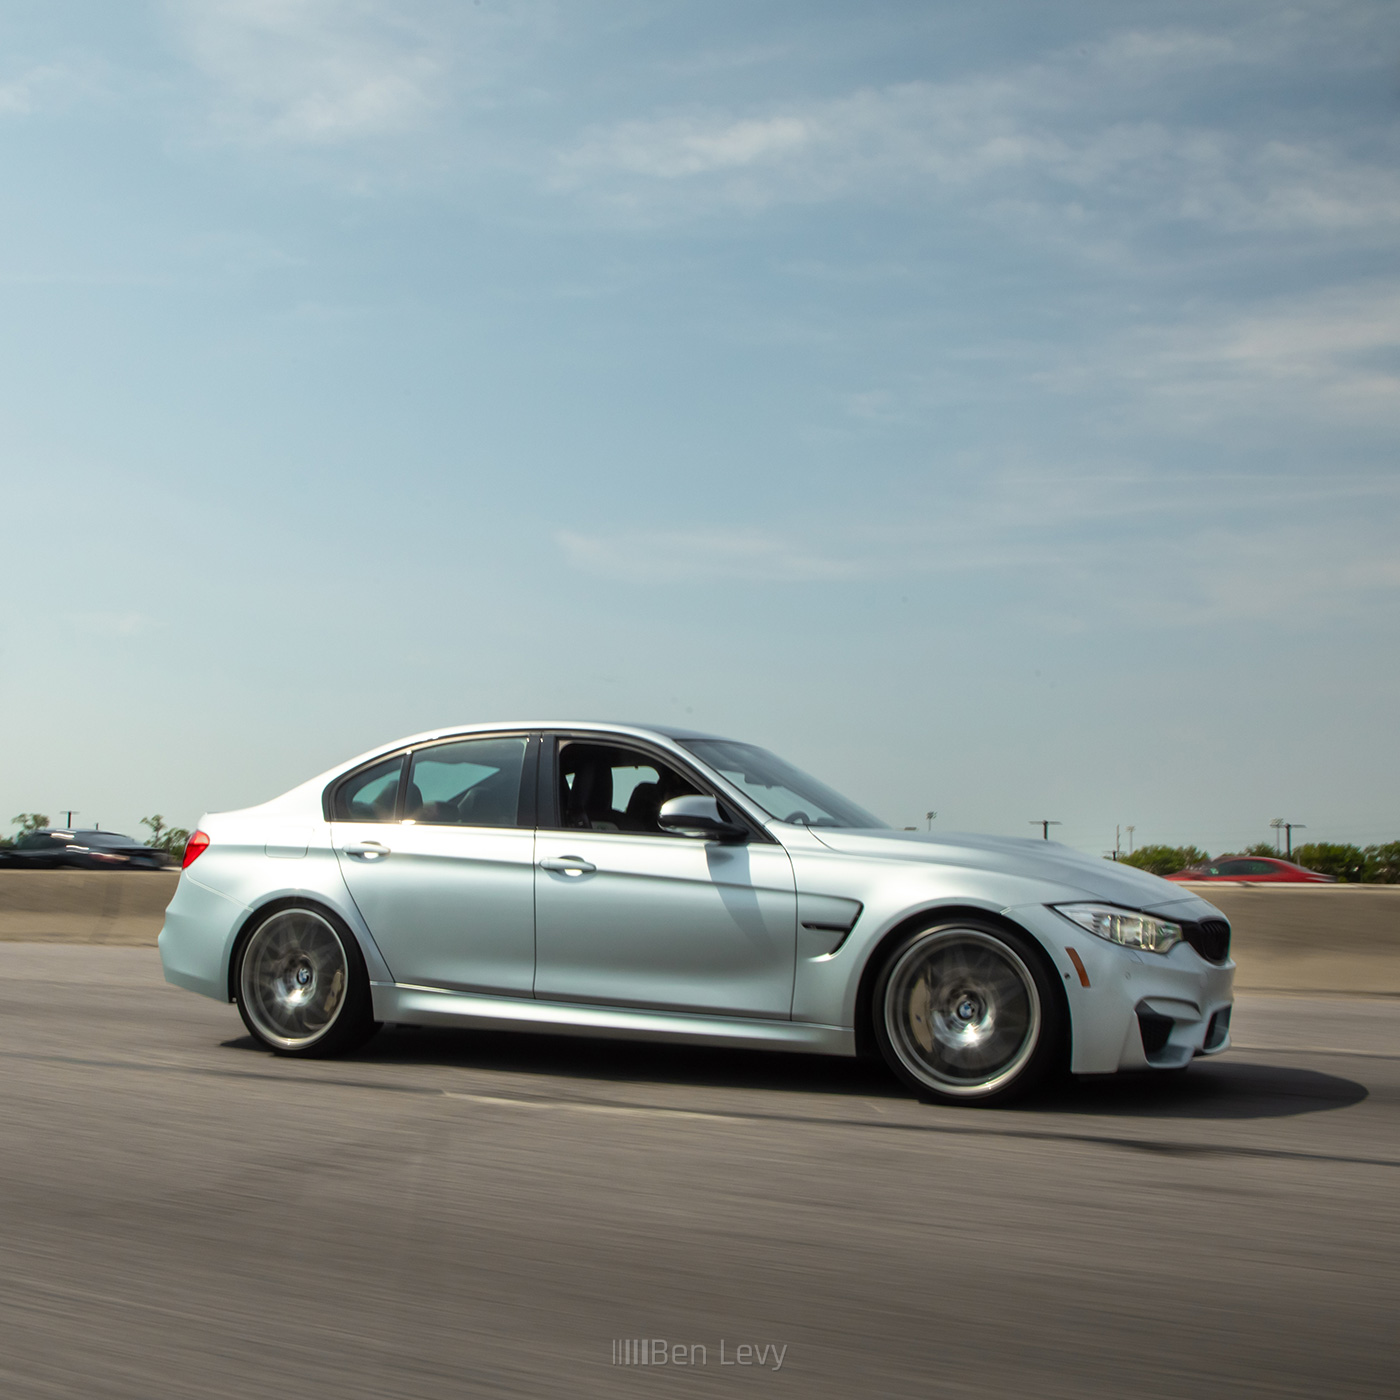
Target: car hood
<point>1011,855</point>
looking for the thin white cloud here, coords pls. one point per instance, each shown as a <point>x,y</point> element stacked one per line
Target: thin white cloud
<point>43,86</point>
<point>1331,356</point>
<point>1295,571</point>
<point>970,534</point>
<point>112,624</point>
<point>312,72</point>
<point>1128,545</point>
<point>719,554</point>
<point>817,150</point>
<point>1100,129</point>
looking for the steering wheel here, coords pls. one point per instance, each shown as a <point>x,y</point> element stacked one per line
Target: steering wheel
<point>798,818</point>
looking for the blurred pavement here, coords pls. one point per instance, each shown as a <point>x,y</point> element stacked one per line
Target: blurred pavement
<point>454,1214</point>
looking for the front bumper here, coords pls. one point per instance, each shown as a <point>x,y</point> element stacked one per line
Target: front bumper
<point>1140,1011</point>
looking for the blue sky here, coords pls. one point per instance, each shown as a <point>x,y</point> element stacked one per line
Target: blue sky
<point>992,408</point>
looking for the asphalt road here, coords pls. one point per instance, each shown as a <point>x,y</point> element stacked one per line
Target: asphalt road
<point>447,1215</point>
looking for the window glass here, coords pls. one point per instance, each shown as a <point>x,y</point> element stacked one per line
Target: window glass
<point>1233,867</point>
<point>1256,867</point>
<point>781,790</point>
<point>370,795</point>
<point>37,841</point>
<point>473,782</point>
<point>603,787</point>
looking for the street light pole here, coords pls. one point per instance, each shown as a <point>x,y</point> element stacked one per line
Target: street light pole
<point>929,816</point>
<point>1131,829</point>
<point>70,813</point>
<point>1290,828</point>
<point>1044,826</point>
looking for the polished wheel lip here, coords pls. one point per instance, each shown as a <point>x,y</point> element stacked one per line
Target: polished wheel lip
<point>901,985</point>
<point>294,962</point>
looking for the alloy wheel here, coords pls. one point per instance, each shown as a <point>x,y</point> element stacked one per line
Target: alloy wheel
<point>294,978</point>
<point>962,1012</point>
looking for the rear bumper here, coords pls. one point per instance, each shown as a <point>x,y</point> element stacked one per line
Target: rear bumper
<point>197,938</point>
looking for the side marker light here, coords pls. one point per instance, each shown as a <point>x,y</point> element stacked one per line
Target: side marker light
<point>1078,967</point>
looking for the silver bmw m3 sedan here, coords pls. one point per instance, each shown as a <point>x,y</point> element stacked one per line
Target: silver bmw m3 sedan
<point>651,883</point>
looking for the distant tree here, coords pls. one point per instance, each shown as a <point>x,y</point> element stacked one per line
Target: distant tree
<point>171,839</point>
<point>1328,858</point>
<point>1383,864</point>
<point>1166,860</point>
<point>29,821</point>
<point>1260,848</point>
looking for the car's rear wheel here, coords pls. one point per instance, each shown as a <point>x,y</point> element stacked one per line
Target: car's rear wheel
<point>969,1012</point>
<point>302,984</point>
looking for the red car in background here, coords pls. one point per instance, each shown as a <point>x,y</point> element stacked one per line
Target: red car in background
<point>1255,870</point>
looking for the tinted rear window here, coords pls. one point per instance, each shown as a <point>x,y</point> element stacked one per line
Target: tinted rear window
<point>371,795</point>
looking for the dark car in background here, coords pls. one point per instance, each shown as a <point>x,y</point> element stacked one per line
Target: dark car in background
<point>1254,870</point>
<point>54,849</point>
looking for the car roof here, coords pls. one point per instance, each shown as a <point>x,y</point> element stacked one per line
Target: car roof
<point>670,731</point>
<point>675,733</point>
<point>625,726</point>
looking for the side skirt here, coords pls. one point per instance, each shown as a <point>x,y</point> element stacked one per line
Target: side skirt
<point>429,1006</point>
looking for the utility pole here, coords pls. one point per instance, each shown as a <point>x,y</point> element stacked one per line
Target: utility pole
<point>70,813</point>
<point>1290,828</point>
<point>1044,826</point>
<point>928,817</point>
<point>1131,829</point>
<point>1117,842</point>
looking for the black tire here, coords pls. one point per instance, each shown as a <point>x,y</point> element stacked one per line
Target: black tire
<point>969,1012</point>
<point>301,984</point>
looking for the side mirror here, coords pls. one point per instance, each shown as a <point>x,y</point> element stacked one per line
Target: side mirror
<point>698,816</point>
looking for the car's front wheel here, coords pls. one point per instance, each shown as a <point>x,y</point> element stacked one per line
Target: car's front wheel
<point>968,1012</point>
<point>302,984</point>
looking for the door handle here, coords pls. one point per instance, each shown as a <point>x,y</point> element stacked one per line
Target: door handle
<point>569,865</point>
<point>371,850</point>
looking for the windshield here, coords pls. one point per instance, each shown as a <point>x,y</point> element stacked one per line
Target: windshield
<point>781,790</point>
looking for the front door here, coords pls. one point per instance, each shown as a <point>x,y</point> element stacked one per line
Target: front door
<point>437,860</point>
<point>628,915</point>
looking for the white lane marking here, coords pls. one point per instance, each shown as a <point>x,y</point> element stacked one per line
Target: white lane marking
<point>640,1110</point>
<point>1314,1050</point>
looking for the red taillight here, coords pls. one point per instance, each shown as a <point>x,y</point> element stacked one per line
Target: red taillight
<point>194,848</point>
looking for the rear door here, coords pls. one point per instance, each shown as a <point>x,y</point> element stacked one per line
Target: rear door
<point>437,849</point>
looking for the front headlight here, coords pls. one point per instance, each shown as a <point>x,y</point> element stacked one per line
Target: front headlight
<point>1125,926</point>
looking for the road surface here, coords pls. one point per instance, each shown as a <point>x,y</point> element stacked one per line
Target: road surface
<point>455,1214</point>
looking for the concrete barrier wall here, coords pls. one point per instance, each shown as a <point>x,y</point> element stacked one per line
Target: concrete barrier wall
<point>1331,938</point>
<point>84,906</point>
<point>1323,938</point>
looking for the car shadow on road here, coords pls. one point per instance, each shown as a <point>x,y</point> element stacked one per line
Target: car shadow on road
<point>1214,1089</point>
<point>634,1062</point>
<point>1219,1089</point>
